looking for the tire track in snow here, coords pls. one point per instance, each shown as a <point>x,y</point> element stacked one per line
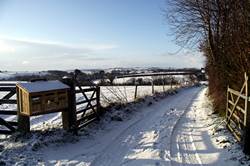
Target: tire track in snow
<point>178,155</point>
<point>114,152</point>
<point>194,147</point>
<point>118,139</point>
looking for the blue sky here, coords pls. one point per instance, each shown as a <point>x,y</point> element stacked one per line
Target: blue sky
<point>66,34</point>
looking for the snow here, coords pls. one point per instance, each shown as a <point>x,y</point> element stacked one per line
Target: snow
<point>124,94</point>
<point>192,142</point>
<point>42,86</point>
<point>109,95</point>
<point>161,130</point>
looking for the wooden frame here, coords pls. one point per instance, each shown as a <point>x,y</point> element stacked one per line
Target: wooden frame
<point>90,109</point>
<point>11,126</point>
<point>237,110</point>
<point>44,102</point>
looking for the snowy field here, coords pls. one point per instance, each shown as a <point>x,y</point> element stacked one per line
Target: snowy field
<point>162,130</point>
<point>126,94</point>
<point>109,94</point>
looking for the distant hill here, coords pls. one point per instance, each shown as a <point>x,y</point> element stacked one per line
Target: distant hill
<point>85,74</point>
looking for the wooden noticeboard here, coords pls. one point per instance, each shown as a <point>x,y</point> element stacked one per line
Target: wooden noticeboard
<point>42,97</point>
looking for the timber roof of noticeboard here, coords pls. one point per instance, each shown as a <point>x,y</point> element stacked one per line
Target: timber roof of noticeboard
<point>43,86</point>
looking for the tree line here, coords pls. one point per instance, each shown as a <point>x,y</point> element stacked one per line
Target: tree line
<point>220,29</point>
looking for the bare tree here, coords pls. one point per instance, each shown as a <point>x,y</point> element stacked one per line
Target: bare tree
<point>111,78</point>
<point>220,29</point>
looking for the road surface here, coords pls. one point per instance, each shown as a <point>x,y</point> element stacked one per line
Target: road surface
<point>169,132</point>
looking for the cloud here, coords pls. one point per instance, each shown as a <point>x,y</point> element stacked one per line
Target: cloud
<point>43,49</point>
<point>46,43</point>
<point>184,58</point>
<point>25,62</point>
<point>6,48</point>
<point>30,54</point>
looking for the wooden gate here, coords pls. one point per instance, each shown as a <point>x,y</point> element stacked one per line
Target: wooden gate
<point>236,111</point>
<point>79,114</point>
<point>7,92</point>
<point>88,105</point>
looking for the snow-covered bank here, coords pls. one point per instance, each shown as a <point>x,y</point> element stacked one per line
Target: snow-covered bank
<point>195,142</point>
<point>124,94</point>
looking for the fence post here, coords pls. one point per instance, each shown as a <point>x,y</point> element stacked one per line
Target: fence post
<point>136,86</point>
<point>171,84</point>
<point>22,120</point>
<point>69,115</point>
<point>246,136</point>
<point>163,84</point>
<point>98,92</point>
<point>227,104</point>
<point>153,90</point>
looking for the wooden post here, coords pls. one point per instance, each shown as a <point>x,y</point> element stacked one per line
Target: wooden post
<point>136,91</point>
<point>246,135</point>
<point>22,120</point>
<point>69,115</point>
<point>227,104</point>
<point>98,92</point>
<point>23,123</point>
<point>153,90</point>
<point>163,84</point>
<point>171,84</point>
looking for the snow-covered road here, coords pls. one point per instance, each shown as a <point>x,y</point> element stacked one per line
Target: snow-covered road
<point>143,140</point>
<point>147,141</point>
